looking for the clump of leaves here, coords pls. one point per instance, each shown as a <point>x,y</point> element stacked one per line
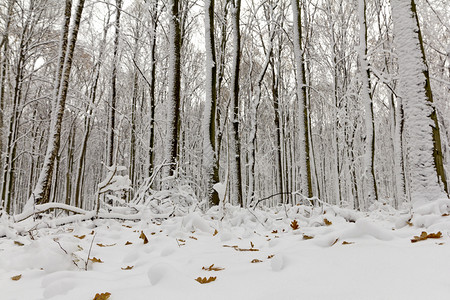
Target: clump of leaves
<point>254,261</point>
<point>80,236</point>
<point>102,296</point>
<point>327,222</point>
<point>212,268</point>
<point>128,268</point>
<point>205,280</point>
<point>17,277</point>
<point>96,260</point>
<point>143,237</point>
<point>294,225</point>
<point>423,236</point>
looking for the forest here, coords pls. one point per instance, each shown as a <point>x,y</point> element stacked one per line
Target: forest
<point>211,115</point>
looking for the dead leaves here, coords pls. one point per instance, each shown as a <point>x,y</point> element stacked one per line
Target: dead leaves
<point>17,277</point>
<point>128,243</point>
<point>254,261</point>
<point>96,260</point>
<point>212,268</point>
<point>294,225</point>
<point>102,245</point>
<point>215,232</point>
<point>307,237</point>
<point>423,236</point>
<point>128,268</point>
<point>102,296</point>
<point>347,243</point>
<point>18,243</point>
<point>80,236</point>
<point>143,237</point>
<point>205,280</point>
<point>327,222</point>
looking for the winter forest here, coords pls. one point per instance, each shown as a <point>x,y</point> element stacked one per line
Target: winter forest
<point>162,137</point>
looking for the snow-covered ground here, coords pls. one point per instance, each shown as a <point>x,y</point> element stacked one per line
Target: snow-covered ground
<point>357,256</point>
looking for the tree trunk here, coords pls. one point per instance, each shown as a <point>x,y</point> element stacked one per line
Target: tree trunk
<point>42,190</point>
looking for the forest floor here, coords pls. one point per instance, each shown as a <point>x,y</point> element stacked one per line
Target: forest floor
<point>333,254</point>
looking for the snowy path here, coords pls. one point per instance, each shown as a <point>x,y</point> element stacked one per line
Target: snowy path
<point>381,263</point>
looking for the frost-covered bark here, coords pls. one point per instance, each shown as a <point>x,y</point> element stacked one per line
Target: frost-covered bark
<point>305,164</point>
<point>423,149</point>
<point>209,113</point>
<point>173,101</point>
<point>236,9</point>
<point>112,109</point>
<point>369,146</point>
<point>41,192</point>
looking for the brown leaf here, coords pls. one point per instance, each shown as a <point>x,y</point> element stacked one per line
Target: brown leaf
<point>128,268</point>
<point>128,243</point>
<point>347,243</point>
<point>205,280</point>
<point>445,215</point>
<point>18,243</point>
<point>215,232</point>
<point>92,232</point>
<point>127,226</point>
<point>254,261</point>
<point>327,222</point>
<point>17,277</point>
<point>251,244</point>
<point>102,296</point>
<point>212,268</point>
<point>152,233</point>
<point>193,237</point>
<point>274,231</point>
<point>142,236</point>
<point>270,256</point>
<point>182,241</point>
<point>96,260</point>
<point>307,237</point>
<point>294,225</point>
<point>102,245</point>
<point>80,236</point>
<point>423,236</point>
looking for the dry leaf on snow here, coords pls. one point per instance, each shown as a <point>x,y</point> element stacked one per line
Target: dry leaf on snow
<point>423,236</point>
<point>205,280</point>
<point>96,260</point>
<point>142,236</point>
<point>80,236</point>
<point>294,225</point>
<point>212,268</point>
<point>18,243</point>
<point>254,261</point>
<point>102,296</point>
<point>17,277</point>
<point>128,268</point>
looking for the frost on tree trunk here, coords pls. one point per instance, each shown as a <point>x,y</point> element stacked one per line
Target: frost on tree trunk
<point>173,100</point>
<point>423,145</point>
<point>112,109</point>
<point>41,193</point>
<point>209,114</point>
<point>305,165</point>
<point>369,147</point>
<point>235,98</point>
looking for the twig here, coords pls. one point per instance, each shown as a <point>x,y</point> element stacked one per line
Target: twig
<point>89,253</point>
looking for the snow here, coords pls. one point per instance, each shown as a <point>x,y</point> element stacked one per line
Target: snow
<point>357,256</point>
